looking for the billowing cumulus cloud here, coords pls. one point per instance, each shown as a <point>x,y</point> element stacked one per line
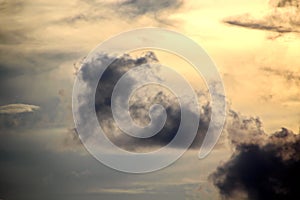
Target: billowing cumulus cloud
<point>238,128</point>
<point>140,103</point>
<point>243,129</point>
<point>283,17</point>
<point>262,167</point>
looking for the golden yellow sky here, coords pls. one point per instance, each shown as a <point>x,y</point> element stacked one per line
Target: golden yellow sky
<point>243,55</point>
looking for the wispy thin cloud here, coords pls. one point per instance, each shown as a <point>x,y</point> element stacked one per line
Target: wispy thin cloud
<point>120,191</point>
<point>289,76</point>
<point>282,17</point>
<point>18,108</point>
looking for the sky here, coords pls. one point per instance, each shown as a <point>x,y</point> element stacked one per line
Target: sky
<point>254,44</point>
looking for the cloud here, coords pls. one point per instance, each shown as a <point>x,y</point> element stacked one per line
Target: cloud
<point>288,81</point>
<point>140,104</point>
<point>11,6</point>
<point>264,168</point>
<point>285,3</point>
<point>289,76</point>
<point>158,10</point>
<point>119,191</point>
<point>284,17</point>
<point>127,9</point>
<point>31,52</point>
<point>141,7</point>
<point>18,108</point>
<point>243,129</point>
<point>237,128</point>
<point>248,22</point>
<point>11,37</point>
<point>18,116</point>
<point>25,116</point>
<point>262,165</point>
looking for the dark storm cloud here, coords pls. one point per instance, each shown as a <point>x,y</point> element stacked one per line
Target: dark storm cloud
<point>283,17</point>
<point>140,104</point>
<point>264,168</point>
